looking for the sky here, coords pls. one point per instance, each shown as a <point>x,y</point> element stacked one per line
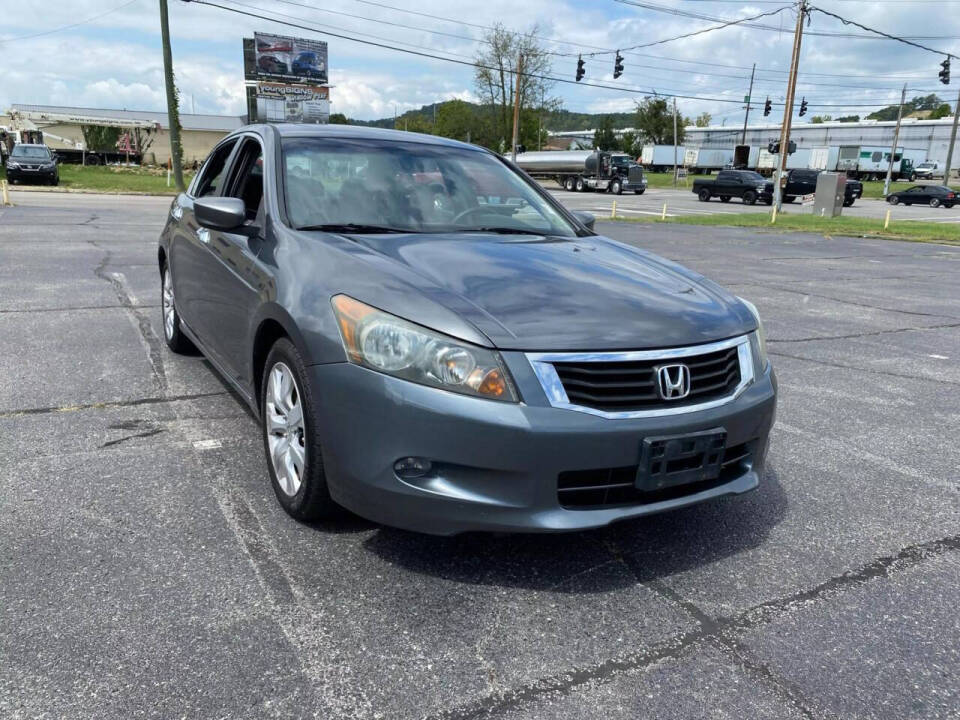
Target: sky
<point>107,53</point>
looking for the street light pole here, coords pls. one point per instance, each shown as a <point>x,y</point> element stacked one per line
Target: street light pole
<point>173,110</point>
<point>953,139</point>
<point>788,107</point>
<point>896,137</point>
<point>743,138</point>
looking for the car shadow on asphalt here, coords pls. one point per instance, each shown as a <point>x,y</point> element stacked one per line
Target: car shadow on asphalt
<point>652,547</point>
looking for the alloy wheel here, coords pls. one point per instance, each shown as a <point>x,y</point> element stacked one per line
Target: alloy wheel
<point>283,419</point>
<point>168,307</point>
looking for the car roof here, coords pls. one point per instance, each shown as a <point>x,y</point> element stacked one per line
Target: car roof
<point>355,132</point>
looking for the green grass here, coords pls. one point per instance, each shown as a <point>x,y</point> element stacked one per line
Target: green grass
<point>113,179</point>
<point>856,226</point>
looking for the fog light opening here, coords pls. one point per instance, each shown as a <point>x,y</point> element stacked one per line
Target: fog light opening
<point>410,468</point>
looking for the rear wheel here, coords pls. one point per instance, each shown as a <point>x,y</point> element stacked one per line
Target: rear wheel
<point>294,459</point>
<point>581,185</point>
<point>848,203</point>
<point>704,195</point>
<point>569,184</point>
<point>789,199</point>
<point>935,202</point>
<point>749,197</point>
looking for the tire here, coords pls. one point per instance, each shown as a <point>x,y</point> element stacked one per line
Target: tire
<point>848,203</point>
<point>616,188</point>
<point>789,198</point>
<point>893,200</point>
<point>581,185</point>
<point>704,195</point>
<point>172,333</point>
<point>93,159</point>
<point>749,197</point>
<point>724,198</point>
<point>935,202</point>
<point>638,192</point>
<point>301,486</point>
<point>948,205</point>
<point>569,184</point>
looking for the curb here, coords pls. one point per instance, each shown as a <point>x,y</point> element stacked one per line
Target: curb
<point>85,191</point>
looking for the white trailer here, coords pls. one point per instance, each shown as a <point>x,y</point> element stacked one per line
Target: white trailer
<point>870,162</point>
<point>660,158</point>
<point>705,160</point>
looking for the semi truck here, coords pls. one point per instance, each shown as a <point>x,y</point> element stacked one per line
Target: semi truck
<point>661,158</point>
<point>582,170</point>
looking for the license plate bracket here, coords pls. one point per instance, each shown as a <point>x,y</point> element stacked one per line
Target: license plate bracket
<point>671,460</point>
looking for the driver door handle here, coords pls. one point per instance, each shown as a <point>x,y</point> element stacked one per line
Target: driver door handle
<point>203,235</point>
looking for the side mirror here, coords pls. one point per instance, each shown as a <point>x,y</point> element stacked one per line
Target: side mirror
<point>220,213</point>
<point>585,217</point>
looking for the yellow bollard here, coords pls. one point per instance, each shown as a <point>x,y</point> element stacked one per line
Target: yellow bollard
<point>613,211</point>
<point>663,213</point>
<point>773,215</point>
<point>886,221</point>
<point>4,193</point>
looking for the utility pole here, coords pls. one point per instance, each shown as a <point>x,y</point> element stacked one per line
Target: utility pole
<point>674,142</point>
<point>896,137</point>
<point>540,124</point>
<point>953,139</point>
<point>788,107</point>
<point>516,108</point>
<point>743,138</point>
<point>173,111</point>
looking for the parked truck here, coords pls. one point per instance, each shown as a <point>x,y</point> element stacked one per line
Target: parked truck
<point>747,185</point>
<point>661,158</point>
<point>869,162</point>
<point>582,170</point>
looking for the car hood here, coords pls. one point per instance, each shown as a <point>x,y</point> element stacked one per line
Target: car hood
<point>546,293</point>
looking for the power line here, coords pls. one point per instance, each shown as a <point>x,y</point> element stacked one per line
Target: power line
<point>69,27</point>
<point>904,40</point>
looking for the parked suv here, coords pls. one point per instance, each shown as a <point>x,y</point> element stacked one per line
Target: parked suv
<point>34,164</point>
<point>804,182</point>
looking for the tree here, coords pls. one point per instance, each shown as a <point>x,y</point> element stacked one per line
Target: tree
<point>920,102</point>
<point>338,119</point>
<point>495,77</point>
<point>630,144</point>
<point>655,122</point>
<point>820,119</point>
<point>604,138</point>
<point>849,118</point>
<point>940,112</point>
<point>455,120</point>
<point>703,119</point>
<point>100,137</point>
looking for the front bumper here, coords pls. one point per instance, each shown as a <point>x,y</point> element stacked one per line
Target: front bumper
<point>24,175</point>
<point>496,465</point>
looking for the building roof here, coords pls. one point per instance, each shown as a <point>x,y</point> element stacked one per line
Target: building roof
<point>213,123</point>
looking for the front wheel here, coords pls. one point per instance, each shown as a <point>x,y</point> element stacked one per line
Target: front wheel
<point>638,192</point>
<point>294,459</point>
<point>615,187</point>
<point>893,200</point>
<point>172,332</point>
<point>934,202</point>
<point>749,197</point>
<point>704,195</point>
<point>848,203</point>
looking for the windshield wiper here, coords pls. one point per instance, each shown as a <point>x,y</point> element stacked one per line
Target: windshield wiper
<point>504,231</point>
<point>354,228</point>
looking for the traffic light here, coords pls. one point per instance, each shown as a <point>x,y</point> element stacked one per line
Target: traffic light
<point>767,106</point>
<point>580,70</point>
<point>945,73</point>
<point>803,107</point>
<point>618,66</point>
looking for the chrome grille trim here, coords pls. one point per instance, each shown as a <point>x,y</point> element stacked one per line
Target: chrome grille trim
<point>542,364</point>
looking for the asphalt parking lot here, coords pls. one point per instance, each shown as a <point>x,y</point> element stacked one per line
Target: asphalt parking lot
<point>682,201</point>
<point>146,569</point>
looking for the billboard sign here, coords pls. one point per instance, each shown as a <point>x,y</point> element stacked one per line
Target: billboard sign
<point>278,57</point>
<point>280,102</point>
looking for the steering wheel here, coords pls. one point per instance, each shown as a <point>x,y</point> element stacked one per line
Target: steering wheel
<point>468,211</point>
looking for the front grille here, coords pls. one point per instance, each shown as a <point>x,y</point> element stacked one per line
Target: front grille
<point>607,487</point>
<point>632,385</point>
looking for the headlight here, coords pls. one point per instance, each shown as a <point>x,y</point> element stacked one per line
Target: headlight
<point>13,164</point>
<point>393,346</point>
<point>758,338</point>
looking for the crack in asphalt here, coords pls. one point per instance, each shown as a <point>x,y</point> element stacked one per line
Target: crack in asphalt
<point>871,333</point>
<point>145,434</point>
<point>141,319</point>
<point>759,615</point>
<point>109,404</point>
<point>872,371</point>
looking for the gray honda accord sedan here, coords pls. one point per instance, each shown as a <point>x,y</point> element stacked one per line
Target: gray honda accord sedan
<point>430,340</point>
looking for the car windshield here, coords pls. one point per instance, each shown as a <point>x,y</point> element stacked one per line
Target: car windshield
<point>370,185</point>
<point>27,151</point>
<point>925,165</point>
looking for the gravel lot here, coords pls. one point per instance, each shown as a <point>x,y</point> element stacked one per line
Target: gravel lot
<point>147,571</point>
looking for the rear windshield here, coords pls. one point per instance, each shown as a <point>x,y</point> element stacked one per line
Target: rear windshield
<point>28,151</point>
<point>411,187</point>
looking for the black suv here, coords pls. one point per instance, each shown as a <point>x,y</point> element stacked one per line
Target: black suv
<point>804,182</point>
<point>34,164</point>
